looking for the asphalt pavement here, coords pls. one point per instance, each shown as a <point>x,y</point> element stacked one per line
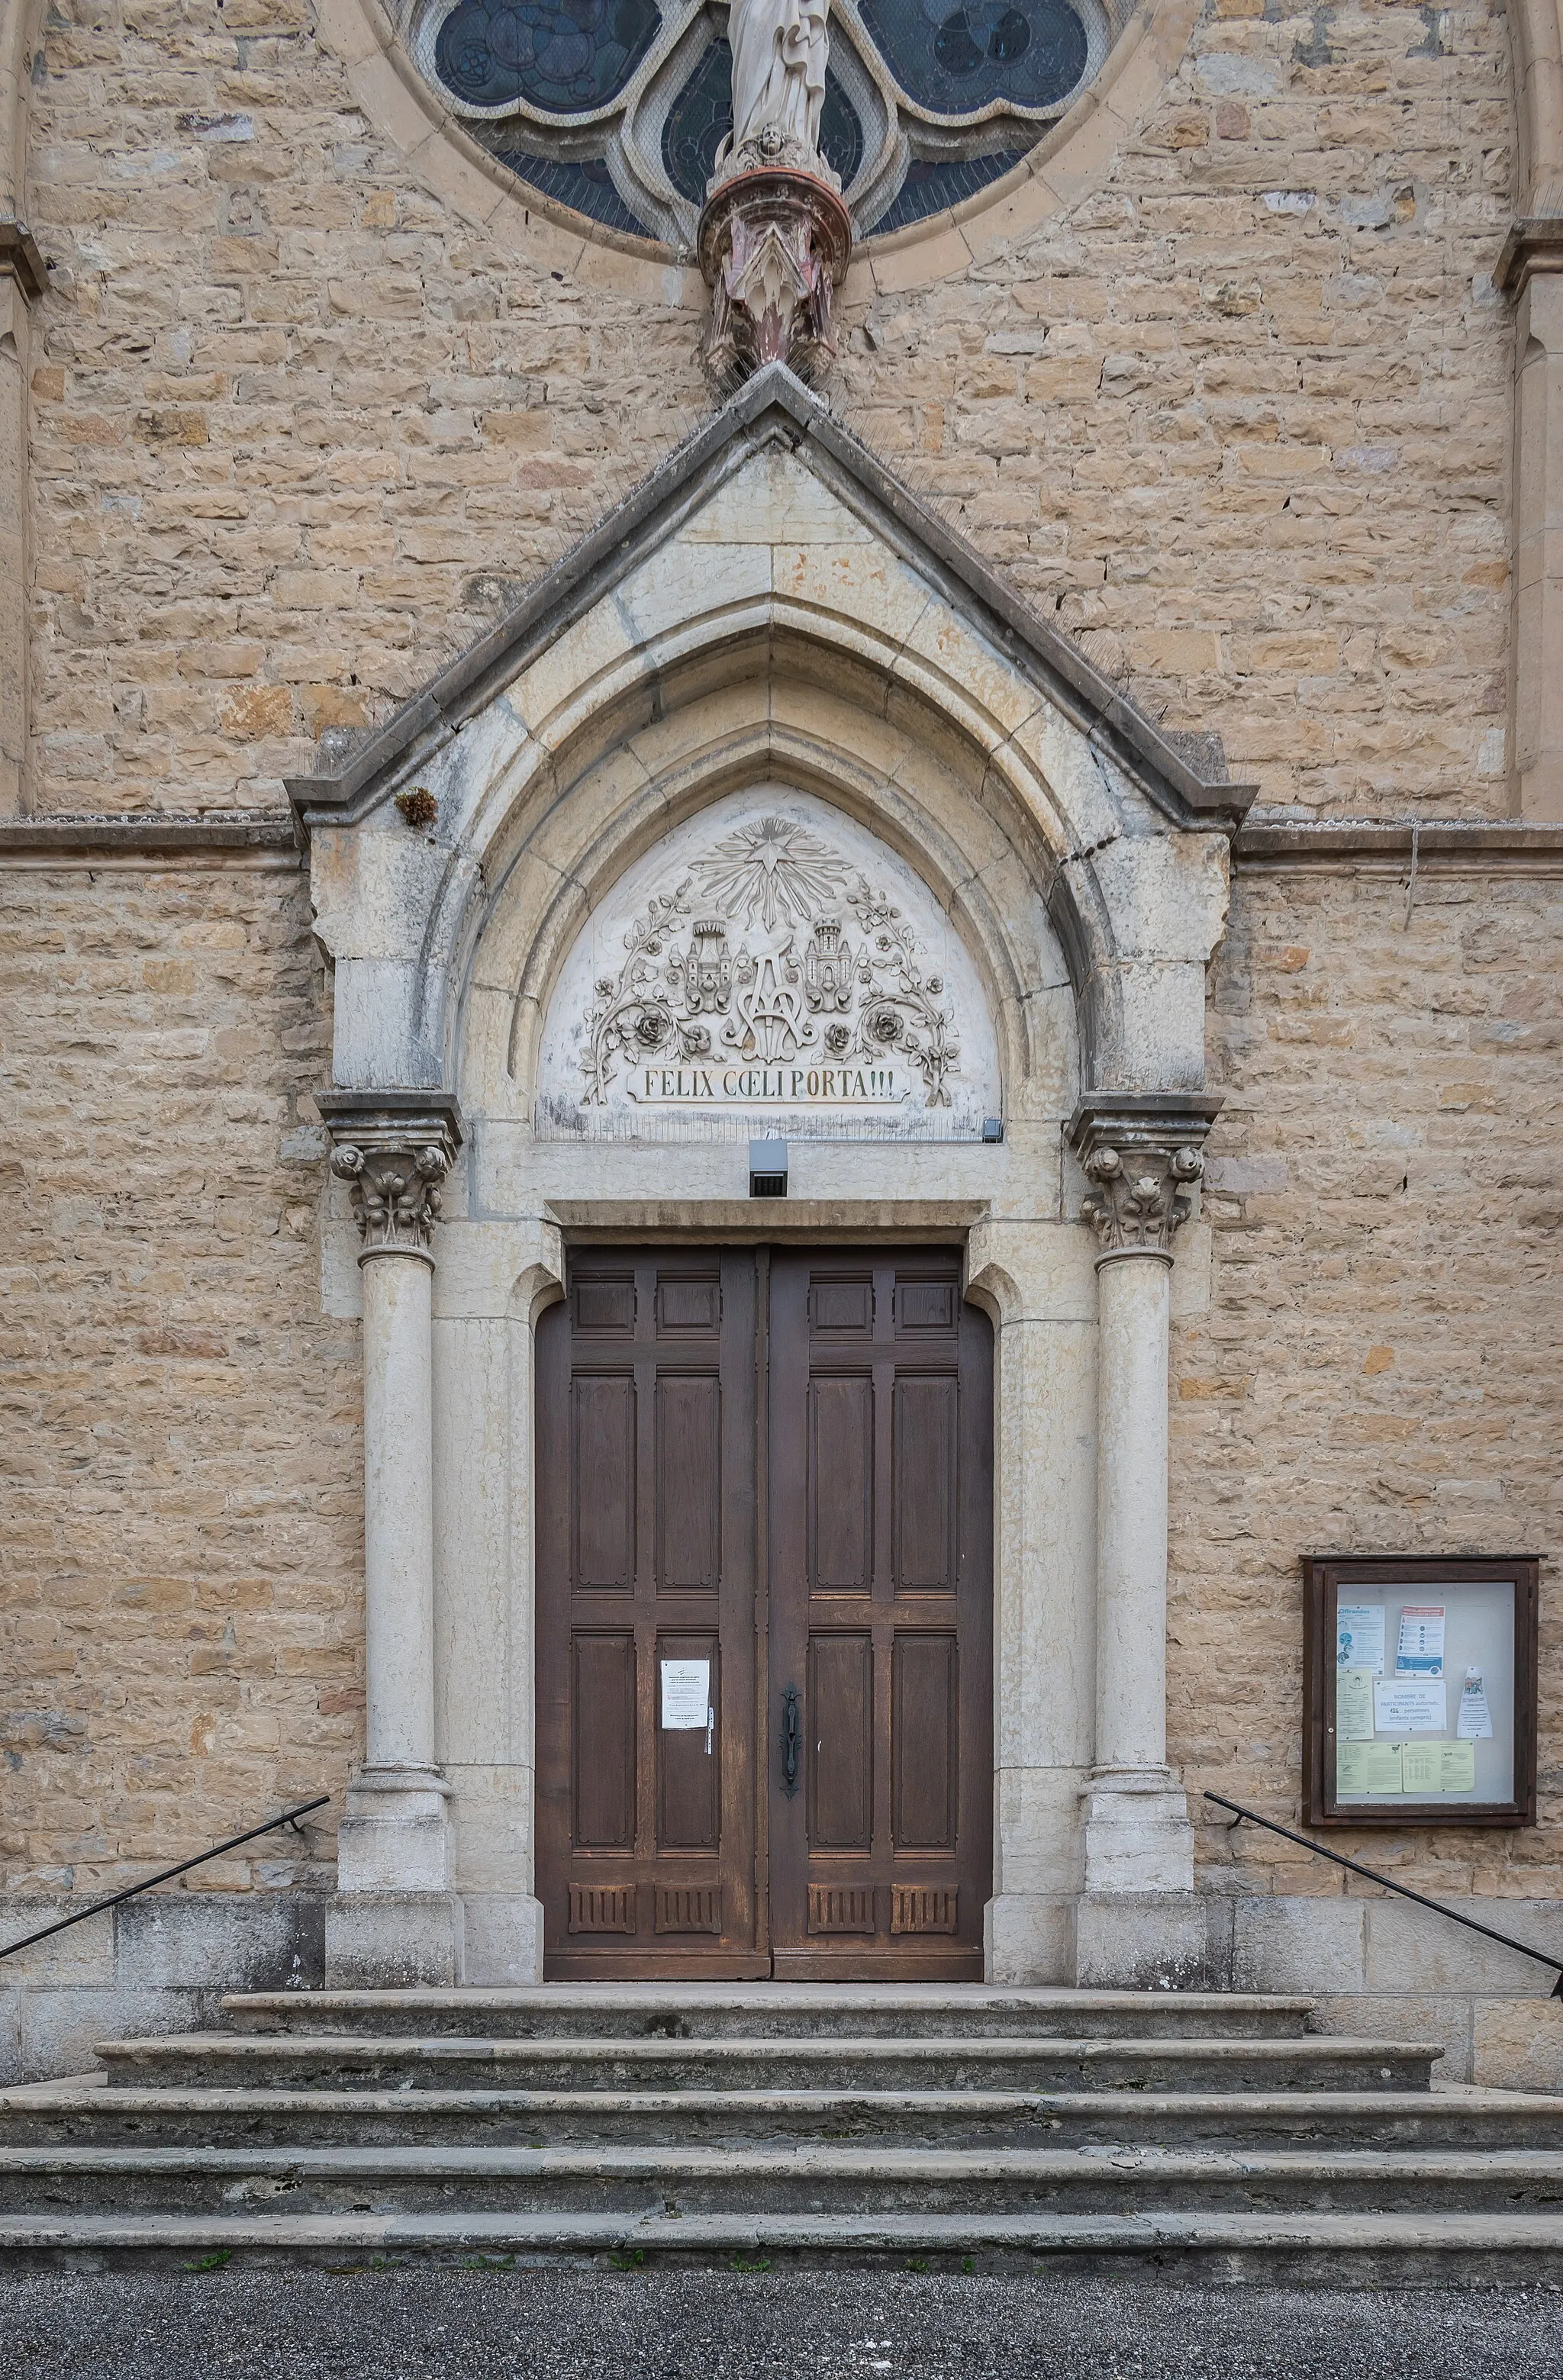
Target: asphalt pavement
<point>554,2324</point>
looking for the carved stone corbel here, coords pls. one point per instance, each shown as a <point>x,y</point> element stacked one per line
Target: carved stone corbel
<point>1143,1154</point>
<point>774,242</point>
<point>394,1151</point>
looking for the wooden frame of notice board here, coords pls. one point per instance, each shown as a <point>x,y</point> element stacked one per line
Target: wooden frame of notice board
<point>1483,1628</point>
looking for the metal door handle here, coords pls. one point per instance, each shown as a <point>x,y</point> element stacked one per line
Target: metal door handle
<point>789,1741</point>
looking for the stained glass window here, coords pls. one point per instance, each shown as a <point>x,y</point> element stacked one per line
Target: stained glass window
<point>560,55</point>
<point>952,60</point>
<point>617,108</point>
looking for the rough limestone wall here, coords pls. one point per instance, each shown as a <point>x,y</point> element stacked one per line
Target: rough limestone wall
<point>180,1611</point>
<point>1240,418</point>
<point>1378,1371</point>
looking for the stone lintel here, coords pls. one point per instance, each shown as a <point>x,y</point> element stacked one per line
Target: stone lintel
<point>23,258</point>
<point>748,1219</point>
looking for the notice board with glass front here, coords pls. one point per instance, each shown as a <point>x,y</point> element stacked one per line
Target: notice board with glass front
<point>1420,1689</point>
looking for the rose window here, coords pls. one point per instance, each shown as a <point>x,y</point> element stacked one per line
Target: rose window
<point>617,107</point>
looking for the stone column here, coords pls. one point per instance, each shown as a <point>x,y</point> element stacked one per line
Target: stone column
<point>1138,1920</point>
<point>395,1919</point>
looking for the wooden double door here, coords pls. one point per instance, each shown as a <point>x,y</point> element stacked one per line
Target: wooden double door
<point>765,1597</point>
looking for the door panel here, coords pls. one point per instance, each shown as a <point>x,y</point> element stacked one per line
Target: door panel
<point>881,1590</point>
<point>839,1741</point>
<point>779,1464</point>
<point>646,1466</point>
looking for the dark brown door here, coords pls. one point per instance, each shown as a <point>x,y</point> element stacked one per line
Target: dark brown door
<point>880,1588</point>
<point>781,1467</point>
<point>646,1542</point>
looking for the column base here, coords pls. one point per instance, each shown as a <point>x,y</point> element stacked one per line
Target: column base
<point>1138,1838</point>
<point>1029,1939</point>
<point>394,1941</point>
<point>503,1938</point>
<point>395,1834</point>
<point>1144,1942</point>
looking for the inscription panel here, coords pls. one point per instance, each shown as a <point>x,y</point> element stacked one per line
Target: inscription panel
<point>770,959</point>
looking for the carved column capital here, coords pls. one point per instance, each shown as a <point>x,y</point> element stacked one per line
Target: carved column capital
<point>393,1149</point>
<point>1143,1153</point>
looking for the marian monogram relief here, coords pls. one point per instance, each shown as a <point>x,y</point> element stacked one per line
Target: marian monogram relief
<point>774,964</point>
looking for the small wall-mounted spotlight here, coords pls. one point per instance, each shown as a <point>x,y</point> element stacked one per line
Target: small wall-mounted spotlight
<point>767,1168</point>
<point>993,1127</point>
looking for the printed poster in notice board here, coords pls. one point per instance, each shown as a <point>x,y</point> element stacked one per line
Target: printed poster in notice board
<point>1420,1689</point>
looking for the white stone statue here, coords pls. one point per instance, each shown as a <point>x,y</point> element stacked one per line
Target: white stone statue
<point>779,50</point>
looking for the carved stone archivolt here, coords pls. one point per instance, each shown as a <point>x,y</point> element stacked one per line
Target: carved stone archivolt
<point>1143,1158</point>
<point>393,1158</point>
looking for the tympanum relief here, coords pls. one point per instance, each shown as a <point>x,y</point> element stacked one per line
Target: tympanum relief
<point>769,958</point>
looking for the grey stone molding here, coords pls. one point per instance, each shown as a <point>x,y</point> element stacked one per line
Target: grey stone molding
<point>21,257</point>
<point>1533,244</point>
<point>1510,844</point>
<point>1185,777</point>
<point>106,835</point>
<point>1143,1154</point>
<point>393,1149</point>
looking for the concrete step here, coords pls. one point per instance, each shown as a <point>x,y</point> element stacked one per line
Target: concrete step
<point>1317,2062</point>
<point>796,2180</point>
<point>86,2113</point>
<point>774,2012</point>
<point>1328,2248</point>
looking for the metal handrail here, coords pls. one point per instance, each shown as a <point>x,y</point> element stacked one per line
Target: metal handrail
<point>1542,1958</point>
<point>286,1818</point>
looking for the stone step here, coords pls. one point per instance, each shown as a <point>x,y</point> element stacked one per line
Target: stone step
<point>1316,2061</point>
<point>793,2182</point>
<point>83,2112</point>
<point>772,2011</point>
<point>1326,2247</point>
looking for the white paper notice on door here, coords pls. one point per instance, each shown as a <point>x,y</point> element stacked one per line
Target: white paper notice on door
<point>686,1693</point>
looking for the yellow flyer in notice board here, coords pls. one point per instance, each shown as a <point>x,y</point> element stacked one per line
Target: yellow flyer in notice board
<point>1368,1768</point>
<point>1439,1768</point>
<point>1420,1769</point>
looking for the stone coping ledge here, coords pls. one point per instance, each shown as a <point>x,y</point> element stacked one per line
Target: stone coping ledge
<point>1475,841</point>
<point>104,834</point>
<point>767,1218</point>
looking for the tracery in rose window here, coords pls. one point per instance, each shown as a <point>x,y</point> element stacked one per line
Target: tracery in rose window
<point>617,108</point>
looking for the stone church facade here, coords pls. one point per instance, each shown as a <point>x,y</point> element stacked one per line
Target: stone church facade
<point>1081,784</point>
